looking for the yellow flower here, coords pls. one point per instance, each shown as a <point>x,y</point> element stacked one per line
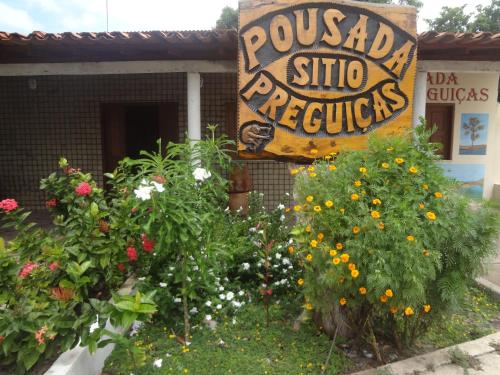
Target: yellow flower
<point>438,194</point>
<point>390,148</point>
<point>287,210</point>
<point>425,187</point>
<point>172,336</point>
<point>297,208</point>
<point>410,238</point>
<point>329,204</point>
<point>294,171</point>
<point>427,308</point>
<point>389,293</point>
<point>309,306</point>
<point>377,202</point>
<point>328,157</point>
<point>342,210</point>
<point>375,214</point>
<point>362,170</point>
<point>300,282</point>
<point>309,198</point>
<point>336,261</point>
<point>332,167</point>
<point>381,225</point>
<point>333,252</point>
<point>344,258</point>
<point>408,311</point>
<point>342,301</point>
<point>394,310</point>
<point>301,168</point>
<point>185,349</point>
<point>362,290</point>
<point>310,169</point>
<point>313,151</point>
<point>383,298</point>
<point>354,197</point>
<point>355,229</point>
<point>385,165</point>
<point>426,253</point>
<point>308,229</point>
<point>291,249</point>
<point>312,174</point>
<point>351,266</point>
<point>354,274</point>
<point>357,183</point>
<point>421,206</point>
<point>399,160</point>
<point>309,257</point>
<point>317,208</point>
<point>339,246</point>
<point>314,243</point>
<point>320,236</point>
<point>413,169</point>
<point>430,215</point>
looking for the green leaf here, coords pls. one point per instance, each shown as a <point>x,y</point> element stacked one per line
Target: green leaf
<point>28,357</point>
<point>94,209</point>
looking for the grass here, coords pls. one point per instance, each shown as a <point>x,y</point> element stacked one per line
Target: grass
<point>248,348</point>
<point>474,319</point>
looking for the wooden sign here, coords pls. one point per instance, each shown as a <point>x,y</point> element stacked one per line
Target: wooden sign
<point>316,74</point>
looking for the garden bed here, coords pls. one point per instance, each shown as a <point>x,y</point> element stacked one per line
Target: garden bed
<point>248,347</point>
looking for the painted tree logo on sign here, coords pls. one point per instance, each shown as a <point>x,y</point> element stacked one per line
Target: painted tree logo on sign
<point>322,74</point>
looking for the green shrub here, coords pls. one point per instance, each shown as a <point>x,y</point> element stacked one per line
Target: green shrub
<point>386,239</point>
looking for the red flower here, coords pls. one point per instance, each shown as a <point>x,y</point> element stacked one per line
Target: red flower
<point>159,179</point>
<point>83,189</point>
<point>53,266</point>
<point>26,270</point>
<point>1,339</point>
<point>133,210</point>
<point>51,203</point>
<point>121,267</point>
<point>103,226</point>
<point>264,292</point>
<point>39,335</point>
<point>62,294</point>
<point>147,244</point>
<point>8,205</point>
<point>132,254</point>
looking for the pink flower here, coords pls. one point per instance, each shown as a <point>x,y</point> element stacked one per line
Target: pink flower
<point>83,189</point>
<point>147,244</point>
<point>132,254</point>
<point>51,203</point>
<point>39,335</point>
<point>8,205</point>
<point>121,267</point>
<point>27,269</point>
<point>53,266</point>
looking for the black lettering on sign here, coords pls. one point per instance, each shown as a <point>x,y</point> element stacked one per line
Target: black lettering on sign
<point>327,72</point>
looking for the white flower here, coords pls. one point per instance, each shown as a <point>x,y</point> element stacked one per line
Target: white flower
<point>234,321</point>
<point>194,310</point>
<point>282,218</point>
<point>278,256</point>
<point>159,187</point>
<point>281,206</point>
<point>208,303</point>
<point>143,192</point>
<point>94,325</point>
<point>240,293</point>
<point>177,300</point>
<point>245,266</point>
<point>221,288</point>
<point>208,317</point>
<point>201,174</point>
<point>141,278</point>
<point>219,306</point>
<point>163,285</point>
<point>229,296</point>
<point>196,268</point>
<point>158,363</point>
<point>222,296</point>
<point>188,279</point>
<point>236,304</point>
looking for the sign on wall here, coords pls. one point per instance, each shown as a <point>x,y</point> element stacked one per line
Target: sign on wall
<point>322,75</point>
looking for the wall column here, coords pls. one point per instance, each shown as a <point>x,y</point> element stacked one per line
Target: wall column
<point>194,106</point>
<point>420,96</point>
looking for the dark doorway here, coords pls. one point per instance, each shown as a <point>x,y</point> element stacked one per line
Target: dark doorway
<point>128,128</point>
<point>441,115</point>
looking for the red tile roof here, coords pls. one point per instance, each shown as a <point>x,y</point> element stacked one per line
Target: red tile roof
<point>207,45</point>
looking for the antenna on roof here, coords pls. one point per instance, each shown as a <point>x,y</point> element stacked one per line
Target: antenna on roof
<point>107,17</point>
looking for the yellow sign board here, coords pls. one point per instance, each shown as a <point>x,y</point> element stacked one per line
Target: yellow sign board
<point>319,74</point>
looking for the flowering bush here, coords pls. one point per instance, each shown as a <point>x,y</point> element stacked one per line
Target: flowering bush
<point>56,283</point>
<point>386,239</point>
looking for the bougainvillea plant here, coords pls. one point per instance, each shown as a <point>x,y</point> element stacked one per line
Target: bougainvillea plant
<point>386,238</point>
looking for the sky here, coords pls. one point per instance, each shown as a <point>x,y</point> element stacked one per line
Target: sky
<point>25,16</point>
